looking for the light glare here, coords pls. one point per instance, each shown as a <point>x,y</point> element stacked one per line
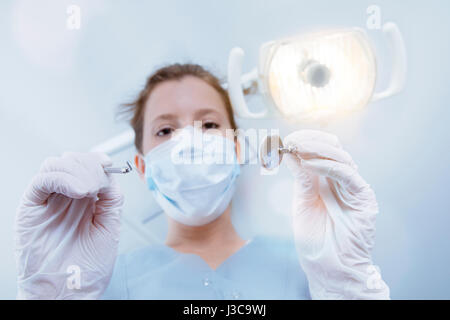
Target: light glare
<point>352,73</point>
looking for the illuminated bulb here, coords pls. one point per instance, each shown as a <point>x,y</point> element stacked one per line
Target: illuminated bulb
<point>336,72</point>
<point>314,73</point>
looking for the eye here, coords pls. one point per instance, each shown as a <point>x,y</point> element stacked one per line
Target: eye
<point>164,131</point>
<point>210,125</point>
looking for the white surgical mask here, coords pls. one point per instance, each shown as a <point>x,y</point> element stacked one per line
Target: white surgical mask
<point>192,176</point>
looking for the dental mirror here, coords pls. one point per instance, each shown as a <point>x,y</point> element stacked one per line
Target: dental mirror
<point>271,151</point>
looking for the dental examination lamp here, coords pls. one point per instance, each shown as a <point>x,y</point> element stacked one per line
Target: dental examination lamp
<point>315,75</point>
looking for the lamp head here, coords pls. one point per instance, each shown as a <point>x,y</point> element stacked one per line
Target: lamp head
<point>319,73</point>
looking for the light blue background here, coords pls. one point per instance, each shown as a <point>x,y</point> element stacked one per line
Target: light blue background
<point>59,90</point>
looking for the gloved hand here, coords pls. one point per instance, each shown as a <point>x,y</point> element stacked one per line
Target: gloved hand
<point>67,229</point>
<point>334,213</point>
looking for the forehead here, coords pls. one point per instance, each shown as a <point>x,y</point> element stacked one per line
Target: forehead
<point>183,96</point>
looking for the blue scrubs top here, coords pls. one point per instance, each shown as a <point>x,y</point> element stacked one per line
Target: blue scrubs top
<point>264,268</point>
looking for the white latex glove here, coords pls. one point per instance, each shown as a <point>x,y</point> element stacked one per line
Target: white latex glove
<point>334,213</point>
<point>67,229</point>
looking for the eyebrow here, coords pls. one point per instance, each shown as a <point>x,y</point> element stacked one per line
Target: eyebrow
<point>171,116</point>
<point>165,116</point>
<point>205,111</point>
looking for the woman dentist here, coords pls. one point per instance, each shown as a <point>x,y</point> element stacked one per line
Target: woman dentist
<point>67,224</point>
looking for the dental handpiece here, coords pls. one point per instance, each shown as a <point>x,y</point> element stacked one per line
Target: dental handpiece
<point>121,170</point>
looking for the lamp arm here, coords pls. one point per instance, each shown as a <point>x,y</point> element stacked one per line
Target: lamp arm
<point>235,80</point>
<point>399,62</point>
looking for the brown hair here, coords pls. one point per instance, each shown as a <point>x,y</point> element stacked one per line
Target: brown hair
<point>177,71</point>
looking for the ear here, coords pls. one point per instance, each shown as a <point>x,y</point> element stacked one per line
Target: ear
<point>238,149</point>
<point>140,166</point>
